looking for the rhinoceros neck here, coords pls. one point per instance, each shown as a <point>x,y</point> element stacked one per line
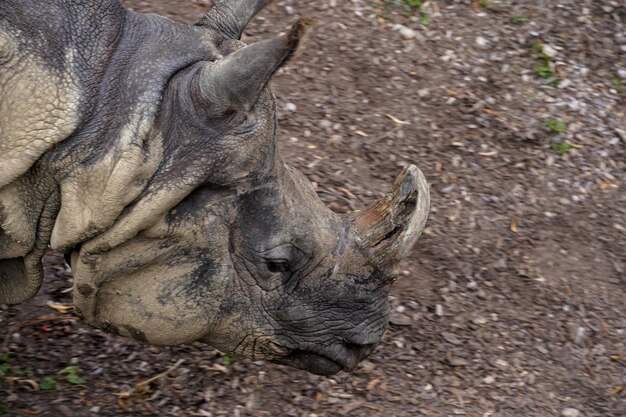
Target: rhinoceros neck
<point>52,57</point>
<point>81,144</point>
<point>110,159</point>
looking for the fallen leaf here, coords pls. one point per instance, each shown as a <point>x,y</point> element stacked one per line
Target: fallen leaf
<point>604,184</point>
<point>123,398</point>
<point>61,308</point>
<point>475,6</point>
<point>494,113</point>
<point>360,133</point>
<point>383,387</point>
<point>490,153</point>
<point>514,224</point>
<point>396,120</point>
<point>438,167</point>
<point>616,390</point>
<point>30,382</point>
<point>372,384</point>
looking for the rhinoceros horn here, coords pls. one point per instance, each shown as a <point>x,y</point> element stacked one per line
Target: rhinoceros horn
<point>391,226</point>
<point>230,17</point>
<point>236,81</point>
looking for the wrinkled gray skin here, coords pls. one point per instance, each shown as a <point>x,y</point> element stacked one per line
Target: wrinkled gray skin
<point>146,149</point>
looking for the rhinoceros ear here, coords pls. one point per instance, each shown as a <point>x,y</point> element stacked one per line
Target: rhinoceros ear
<point>236,81</point>
<point>230,17</point>
<point>391,227</point>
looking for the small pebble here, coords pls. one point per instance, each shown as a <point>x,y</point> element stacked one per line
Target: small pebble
<point>570,412</point>
<point>439,310</point>
<point>489,379</point>
<point>407,33</point>
<point>482,42</point>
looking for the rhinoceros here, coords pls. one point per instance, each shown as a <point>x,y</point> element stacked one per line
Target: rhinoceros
<point>146,150</point>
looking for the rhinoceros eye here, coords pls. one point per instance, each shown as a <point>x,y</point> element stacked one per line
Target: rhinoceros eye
<point>277,265</point>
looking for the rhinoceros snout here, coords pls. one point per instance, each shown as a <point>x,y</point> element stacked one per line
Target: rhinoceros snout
<point>342,356</point>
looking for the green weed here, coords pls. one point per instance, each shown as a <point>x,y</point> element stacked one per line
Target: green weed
<point>518,20</point>
<point>561,147</point>
<point>228,359</point>
<point>494,4</point>
<point>48,383</point>
<point>555,125</point>
<point>543,65</point>
<point>70,374</point>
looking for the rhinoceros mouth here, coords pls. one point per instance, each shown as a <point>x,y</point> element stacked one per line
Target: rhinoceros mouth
<point>311,362</point>
<point>336,358</point>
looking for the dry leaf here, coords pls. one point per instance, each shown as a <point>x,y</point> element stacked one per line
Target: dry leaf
<point>30,382</point>
<point>438,167</point>
<point>514,224</point>
<point>604,184</point>
<point>383,387</point>
<point>372,384</point>
<point>61,308</point>
<point>123,398</point>
<point>494,113</point>
<point>490,153</point>
<point>396,120</point>
<point>475,6</point>
<point>361,133</point>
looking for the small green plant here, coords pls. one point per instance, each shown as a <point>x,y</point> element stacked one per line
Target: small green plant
<point>555,125</point>
<point>70,374</point>
<point>493,4</point>
<point>48,383</point>
<point>5,369</point>
<point>616,81</point>
<point>419,5</point>
<point>518,20</point>
<point>228,359</point>
<point>6,361</point>
<point>561,147</point>
<point>3,409</point>
<point>543,64</point>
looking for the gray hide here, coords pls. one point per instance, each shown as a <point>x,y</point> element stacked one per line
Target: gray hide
<point>146,149</point>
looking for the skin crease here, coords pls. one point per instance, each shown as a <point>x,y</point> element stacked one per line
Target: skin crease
<point>160,173</point>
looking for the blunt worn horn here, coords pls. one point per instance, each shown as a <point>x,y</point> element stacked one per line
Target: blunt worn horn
<point>236,81</point>
<point>230,17</point>
<point>391,227</point>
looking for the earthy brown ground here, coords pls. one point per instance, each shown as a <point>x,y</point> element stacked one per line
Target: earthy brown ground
<point>513,302</point>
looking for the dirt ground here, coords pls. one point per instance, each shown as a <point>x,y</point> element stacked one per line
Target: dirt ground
<point>513,302</point>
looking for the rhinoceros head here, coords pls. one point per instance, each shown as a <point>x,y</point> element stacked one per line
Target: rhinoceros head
<point>201,232</point>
